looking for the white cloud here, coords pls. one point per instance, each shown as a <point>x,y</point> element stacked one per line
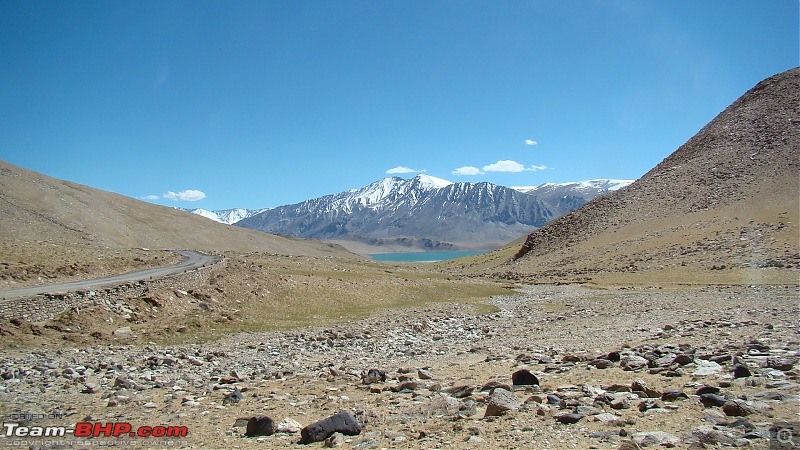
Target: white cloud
<point>189,195</point>
<point>530,142</point>
<point>151,197</point>
<point>403,169</point>
<point>511,166</point>
<point>467,170</point>
<point>504,166</point>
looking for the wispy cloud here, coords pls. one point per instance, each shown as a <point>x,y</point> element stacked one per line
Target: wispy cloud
<point>467,170</point>
<point>403,169</point>
<point>511,166</point>
<point>504,166</point>
<point>530,142</point>
<point>189,195</point>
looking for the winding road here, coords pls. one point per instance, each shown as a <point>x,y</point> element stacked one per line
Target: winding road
<point>191,260</point>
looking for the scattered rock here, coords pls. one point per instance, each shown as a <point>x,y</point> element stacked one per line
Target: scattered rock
<point>568,418</point>
<point>373,376</point>
<point>424,374</point>
<point>632,362</point>
<point>492,385</point>
<point>674,395</point>
<point>711,400</point>
<point>653,438</point>
<point>741,371</point>
<point>335,440</point>
<point>502,401</point>
<point>233,397</point>
<point>343,422</point>
<point>705,368</point>
<point>260,426</point>
<point>288,426</point>
<point>524,377</point>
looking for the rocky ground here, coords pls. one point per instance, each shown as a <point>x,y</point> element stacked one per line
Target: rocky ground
<point>703,368</point>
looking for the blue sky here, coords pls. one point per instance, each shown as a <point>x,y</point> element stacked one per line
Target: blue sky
<point>266,103</point>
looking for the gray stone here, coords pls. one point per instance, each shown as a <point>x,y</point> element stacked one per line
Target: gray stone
<point>713,436</point>
<point>334,440</point>
<point>124,333</point>
<point>651,438</point>
<point>606,417</point>
<point>709,400</point>
<point>705,368</point>
<point>288,426</point>
<point>233,397</point>
<point>632,362</point>
<point>500,402</point>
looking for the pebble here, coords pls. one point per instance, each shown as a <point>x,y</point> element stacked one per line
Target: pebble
<point>288,369</point>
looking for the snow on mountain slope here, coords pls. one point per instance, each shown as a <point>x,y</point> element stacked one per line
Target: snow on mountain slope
<point>229,216</point>
<point>423,208</point>
<point>599,184</point>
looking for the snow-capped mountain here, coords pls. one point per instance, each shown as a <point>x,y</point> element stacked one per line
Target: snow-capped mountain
<point>424,212</point>
<point>565,197</point>
<point>229,216</point>
<point>579,186</point>
<point>426,209</point>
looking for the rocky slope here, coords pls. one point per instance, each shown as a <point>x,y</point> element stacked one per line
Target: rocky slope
<point>725,200</point>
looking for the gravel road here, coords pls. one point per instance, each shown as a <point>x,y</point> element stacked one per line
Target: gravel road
<point>191,260</point>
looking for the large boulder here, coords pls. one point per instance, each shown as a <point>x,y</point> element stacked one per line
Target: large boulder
<point>344,422</point>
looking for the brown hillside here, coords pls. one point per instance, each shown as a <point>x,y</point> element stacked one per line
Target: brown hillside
<point>59,229</point>
<point>720,207</point>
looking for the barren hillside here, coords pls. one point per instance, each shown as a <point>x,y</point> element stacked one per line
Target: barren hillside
<point>723,206</point>
<point>58,229</point>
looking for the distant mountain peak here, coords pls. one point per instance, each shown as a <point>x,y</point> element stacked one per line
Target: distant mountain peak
<point>600,183</point>
<point>427,180</point>
<point>426,209</point>
<point>228,216</point>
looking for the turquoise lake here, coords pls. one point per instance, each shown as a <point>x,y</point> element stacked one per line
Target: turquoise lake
<point>421,256</point>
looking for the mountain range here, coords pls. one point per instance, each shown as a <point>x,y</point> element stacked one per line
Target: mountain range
<point>428,213</point>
